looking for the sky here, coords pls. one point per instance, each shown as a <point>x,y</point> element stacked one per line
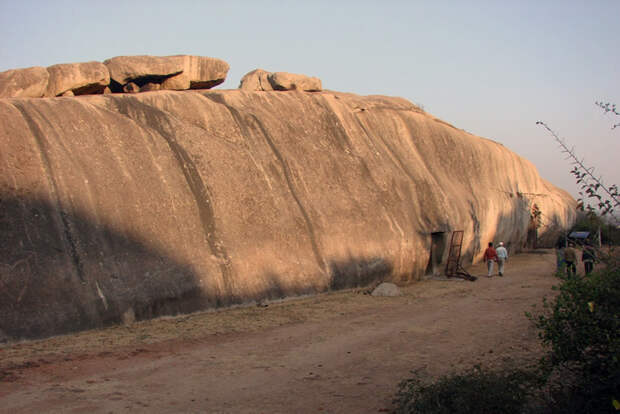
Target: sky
<point>492,68</point>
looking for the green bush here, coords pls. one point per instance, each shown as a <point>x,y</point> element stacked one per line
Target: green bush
<point>477,391</point>
<point>580,373</point>
<point>581,328</point>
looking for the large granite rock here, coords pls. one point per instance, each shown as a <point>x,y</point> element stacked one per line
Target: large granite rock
<point>159,203</point>
<point>256,80</point>
<point>199,72</point>
<point>79,78</point>
<point>144,69</point>
<point>23,83</point>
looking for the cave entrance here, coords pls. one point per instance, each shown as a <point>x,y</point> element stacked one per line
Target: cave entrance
<point>438,247</point>
<point>532,228</point>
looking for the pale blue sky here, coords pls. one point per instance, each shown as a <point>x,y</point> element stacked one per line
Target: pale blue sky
<point>492,68</point>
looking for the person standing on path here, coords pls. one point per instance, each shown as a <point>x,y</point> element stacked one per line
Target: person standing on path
<point>490,255</point>
<point>559,254</point>
<point>570,258</point>
<point>587,257</point>
<point>502,256</point>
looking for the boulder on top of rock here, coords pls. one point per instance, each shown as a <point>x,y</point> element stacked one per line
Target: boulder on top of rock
<point>256,80</point>
<point>23,83</point>
<point>79,78</point>
<point>199,72</point>
<point>143,69</point>
<point>386,289</point>
<point>283,81</point>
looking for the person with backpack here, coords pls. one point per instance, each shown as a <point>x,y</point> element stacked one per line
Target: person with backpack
<point>587,257</point>
<point>570,258</point>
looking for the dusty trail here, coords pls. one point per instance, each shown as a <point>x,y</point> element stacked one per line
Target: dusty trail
<point>337,353</point>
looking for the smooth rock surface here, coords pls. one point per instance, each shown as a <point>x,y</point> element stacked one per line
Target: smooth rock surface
<point>170,202</point>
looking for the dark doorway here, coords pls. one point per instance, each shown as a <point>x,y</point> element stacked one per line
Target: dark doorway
<point>438,247</point>
<point>532,228</point>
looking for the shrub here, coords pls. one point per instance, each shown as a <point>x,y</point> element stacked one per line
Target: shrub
<point>478,391</point>
<point>581,328</point>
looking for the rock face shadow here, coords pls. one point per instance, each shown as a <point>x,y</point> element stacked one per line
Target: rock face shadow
<point>60,272</point>
<point>356,272</point>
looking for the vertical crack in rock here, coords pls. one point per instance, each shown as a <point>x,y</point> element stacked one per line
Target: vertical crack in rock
<point>238,117</point>
<point>39,138</point>
<point>154,120</point>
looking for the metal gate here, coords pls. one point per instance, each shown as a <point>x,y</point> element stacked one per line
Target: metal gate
<point>453,265</point>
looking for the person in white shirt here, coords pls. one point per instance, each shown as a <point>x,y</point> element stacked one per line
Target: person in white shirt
<point>502,256</point>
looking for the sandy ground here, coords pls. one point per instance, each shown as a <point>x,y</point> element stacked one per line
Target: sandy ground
<point>341,352</point>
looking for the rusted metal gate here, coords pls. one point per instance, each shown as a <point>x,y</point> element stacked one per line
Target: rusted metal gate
<point>453,265</point>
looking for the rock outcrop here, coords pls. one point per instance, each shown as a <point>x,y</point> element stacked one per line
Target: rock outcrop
<point>260,80</point>
<point>24,83</point>
<point>77,78</point>
<point>199,72</point>
<point>166,202</point>
<point>256,80</point>
<point>129,74</point>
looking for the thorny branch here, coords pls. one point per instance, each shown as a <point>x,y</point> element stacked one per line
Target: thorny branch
<point>589,183</point>
<point>609,107</point>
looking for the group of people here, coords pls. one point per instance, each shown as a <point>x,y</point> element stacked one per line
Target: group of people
<point>567,258</point>
<point>492,255</point>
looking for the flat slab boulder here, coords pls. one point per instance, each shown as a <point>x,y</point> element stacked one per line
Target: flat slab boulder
<point>199,72</point>
<point>256,80</point>
<point>24,83</point>
<point>283,81</point>
<point>144,69</point>
<point>78,78</point>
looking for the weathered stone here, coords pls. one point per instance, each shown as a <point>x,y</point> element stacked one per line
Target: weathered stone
<point>256,80</point>
<point>386,289</point>
<point>80,78</point>
<point>68,93</point>
<point>199,72</point>
<point>144,69</point>
<point>283,81</point>
<point>131,88</point>
<point>150,87</point>
<point>174,202</point>
<point>23,83</point>
<point>107,90</point>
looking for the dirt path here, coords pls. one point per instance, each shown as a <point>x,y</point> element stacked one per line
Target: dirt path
<point>336,353</point>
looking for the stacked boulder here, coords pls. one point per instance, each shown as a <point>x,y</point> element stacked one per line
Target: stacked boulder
<point>119,74</point>
<point>261,80</point>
